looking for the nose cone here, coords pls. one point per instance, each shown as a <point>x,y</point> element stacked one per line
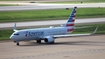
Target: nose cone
<point>12,37</point>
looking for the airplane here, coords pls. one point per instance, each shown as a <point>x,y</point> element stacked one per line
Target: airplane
<point>47,34</point>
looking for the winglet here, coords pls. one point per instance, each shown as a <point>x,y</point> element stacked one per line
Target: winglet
<point>95,30</point>
<point>14,29</point>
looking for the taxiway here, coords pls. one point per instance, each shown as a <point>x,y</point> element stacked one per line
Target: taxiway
<point>85,47</point>
<point>51,22</point>
<point>38,6</point>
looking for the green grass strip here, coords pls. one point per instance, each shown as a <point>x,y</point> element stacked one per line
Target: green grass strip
<point>75,2</point>
<point>5,34</point>
<point>36,15</point>
<point>9,5</point>
<point>55,1</point>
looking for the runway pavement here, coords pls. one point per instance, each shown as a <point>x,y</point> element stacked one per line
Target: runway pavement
<point>86,47</point>
<point>52,22</point>
<point>37,6</point>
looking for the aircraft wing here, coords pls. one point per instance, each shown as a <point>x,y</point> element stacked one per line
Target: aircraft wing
<point>74,35</point>
<point>71,35</point>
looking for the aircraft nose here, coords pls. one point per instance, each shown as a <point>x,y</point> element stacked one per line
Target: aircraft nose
<point>12,37</point>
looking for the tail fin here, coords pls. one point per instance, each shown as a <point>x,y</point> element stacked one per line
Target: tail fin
<point>71,20</point>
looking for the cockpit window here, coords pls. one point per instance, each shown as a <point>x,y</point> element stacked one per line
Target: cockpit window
<point>16,34</point>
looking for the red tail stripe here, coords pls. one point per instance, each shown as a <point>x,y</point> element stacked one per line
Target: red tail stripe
<point>70,25</point>
<point>73,20</point>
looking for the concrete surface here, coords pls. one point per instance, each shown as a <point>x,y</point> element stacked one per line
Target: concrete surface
<point>51,22</point>
<point>85,47</point>
<point>38,6</point>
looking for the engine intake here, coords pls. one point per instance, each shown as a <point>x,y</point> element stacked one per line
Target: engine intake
<point>49,39</point>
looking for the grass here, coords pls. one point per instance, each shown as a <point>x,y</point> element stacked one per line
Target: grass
<point>34,15</point>
<point>55,0</point>
<point>101,29</point>
<point>62,2</point>
<point>73,2</point>
<point>5,34</point>
<point>76,1</point>
<point>9,5</point>
<point>95,0</point>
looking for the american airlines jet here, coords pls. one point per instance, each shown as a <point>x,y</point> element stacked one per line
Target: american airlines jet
<point>47,34</point>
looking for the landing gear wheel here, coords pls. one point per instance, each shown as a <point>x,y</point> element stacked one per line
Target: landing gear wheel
<point>38,41</point>
<point>17,44</point>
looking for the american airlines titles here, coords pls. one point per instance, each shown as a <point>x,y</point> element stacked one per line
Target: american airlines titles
<point>28,33</point>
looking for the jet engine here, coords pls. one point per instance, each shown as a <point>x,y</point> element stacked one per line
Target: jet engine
<point>49,39</point>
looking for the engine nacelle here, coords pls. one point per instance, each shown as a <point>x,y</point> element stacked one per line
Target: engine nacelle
<point>49,39</point>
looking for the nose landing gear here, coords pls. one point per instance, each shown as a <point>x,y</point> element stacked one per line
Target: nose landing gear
<point>17,43</point>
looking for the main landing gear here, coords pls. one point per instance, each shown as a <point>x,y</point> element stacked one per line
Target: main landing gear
<point>38,41</point>
<point>17,43</point>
